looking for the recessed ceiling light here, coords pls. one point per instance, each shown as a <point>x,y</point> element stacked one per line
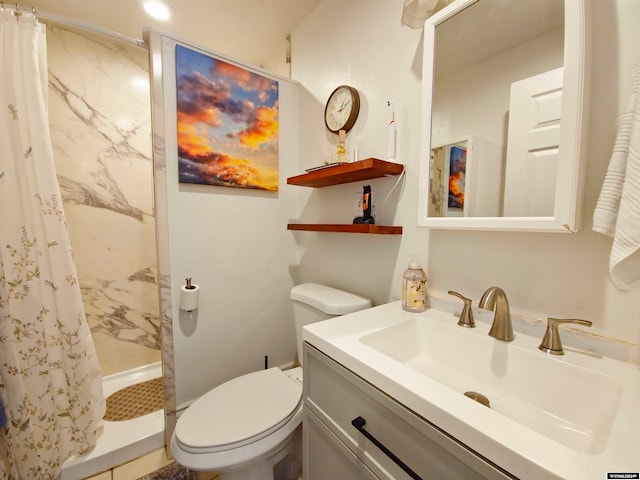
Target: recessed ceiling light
<point>157,9</point>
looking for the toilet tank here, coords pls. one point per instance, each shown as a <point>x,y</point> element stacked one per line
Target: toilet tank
<point>313,302</point>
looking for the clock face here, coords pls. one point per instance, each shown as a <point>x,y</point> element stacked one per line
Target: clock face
<point>342,109</point>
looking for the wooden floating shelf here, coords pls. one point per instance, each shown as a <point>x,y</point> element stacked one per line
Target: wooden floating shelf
<point>346,228</point>
<point>347,172</point>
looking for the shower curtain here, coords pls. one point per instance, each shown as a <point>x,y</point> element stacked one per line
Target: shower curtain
<point>50,382</point>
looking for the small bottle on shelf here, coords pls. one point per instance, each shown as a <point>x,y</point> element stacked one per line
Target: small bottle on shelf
<point>341,149</point>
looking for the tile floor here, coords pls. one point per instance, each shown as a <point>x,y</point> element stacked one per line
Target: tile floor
<point>143,466</point>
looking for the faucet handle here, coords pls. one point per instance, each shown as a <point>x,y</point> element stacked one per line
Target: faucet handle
<point>551,342</point>
<point>466,316</point>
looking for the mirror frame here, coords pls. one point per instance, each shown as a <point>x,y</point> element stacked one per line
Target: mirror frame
<point>571,170</point>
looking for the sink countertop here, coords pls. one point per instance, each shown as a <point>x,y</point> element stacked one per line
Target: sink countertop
<point>521,451</point>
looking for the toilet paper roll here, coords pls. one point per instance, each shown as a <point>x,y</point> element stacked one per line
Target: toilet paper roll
<point>189,297</point>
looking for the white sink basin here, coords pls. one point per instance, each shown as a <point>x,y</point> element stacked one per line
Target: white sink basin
<point>572,405</point>
<point>573,416</point>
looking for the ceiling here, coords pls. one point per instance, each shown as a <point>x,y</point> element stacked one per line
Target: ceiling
<point>249,31</point>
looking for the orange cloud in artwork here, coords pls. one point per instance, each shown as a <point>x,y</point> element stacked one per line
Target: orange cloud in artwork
<point>263,128</point>
<point>220,169</point>
<point>189,140</point>
<point>456,187</point>
<point>227,123</point>
<point>242,77</point>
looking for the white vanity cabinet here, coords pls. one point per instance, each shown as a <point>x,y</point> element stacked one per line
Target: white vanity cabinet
<point>335,449</point>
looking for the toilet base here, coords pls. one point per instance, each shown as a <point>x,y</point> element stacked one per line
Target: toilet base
<point>285,464</point>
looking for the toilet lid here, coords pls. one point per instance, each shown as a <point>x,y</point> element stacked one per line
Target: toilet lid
<point>239,410</point>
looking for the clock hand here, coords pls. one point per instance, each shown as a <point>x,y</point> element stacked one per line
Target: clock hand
<point>344,104</point>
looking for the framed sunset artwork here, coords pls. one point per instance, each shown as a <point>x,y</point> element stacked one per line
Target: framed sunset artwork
<point>227,120</point>
<point>457,173</point>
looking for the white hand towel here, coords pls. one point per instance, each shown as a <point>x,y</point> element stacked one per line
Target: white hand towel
<point>617,211</point>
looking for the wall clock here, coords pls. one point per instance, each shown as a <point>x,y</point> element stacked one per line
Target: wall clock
<point>342,109</point>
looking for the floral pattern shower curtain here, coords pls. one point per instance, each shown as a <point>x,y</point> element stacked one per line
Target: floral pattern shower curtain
<point>50,383</point>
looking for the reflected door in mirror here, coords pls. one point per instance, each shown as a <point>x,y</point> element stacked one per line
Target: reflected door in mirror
<point>534,140</point>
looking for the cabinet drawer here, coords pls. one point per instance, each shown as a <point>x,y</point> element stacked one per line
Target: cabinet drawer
<point>337,397</point>
<point>326,457</point>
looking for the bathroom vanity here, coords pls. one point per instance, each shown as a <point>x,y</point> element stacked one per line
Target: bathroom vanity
<point>385,383</point>
<point>334,398</point>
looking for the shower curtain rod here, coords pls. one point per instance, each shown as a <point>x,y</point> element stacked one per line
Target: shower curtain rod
<point>70,22</point>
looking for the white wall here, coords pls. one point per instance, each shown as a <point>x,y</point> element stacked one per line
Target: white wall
<point>364,46</point>
<point>234,244</point>
<point>474,100</point>
<point>362,43</point>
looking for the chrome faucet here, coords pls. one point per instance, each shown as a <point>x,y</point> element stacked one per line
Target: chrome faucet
<point>495,299</point>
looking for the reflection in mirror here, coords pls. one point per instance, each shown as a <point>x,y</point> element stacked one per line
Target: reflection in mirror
<point>458,187</point>
<point>503,123</point>
<point>488,80</point>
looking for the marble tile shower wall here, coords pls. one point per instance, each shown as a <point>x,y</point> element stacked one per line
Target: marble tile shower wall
<point>99,113</point>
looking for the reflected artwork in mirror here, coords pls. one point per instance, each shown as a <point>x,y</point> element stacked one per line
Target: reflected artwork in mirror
<point>505,82</point>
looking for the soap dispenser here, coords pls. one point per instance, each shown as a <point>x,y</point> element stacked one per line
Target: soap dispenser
<point>414,288</point>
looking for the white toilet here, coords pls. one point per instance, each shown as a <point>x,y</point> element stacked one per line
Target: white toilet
<point>249,428</point>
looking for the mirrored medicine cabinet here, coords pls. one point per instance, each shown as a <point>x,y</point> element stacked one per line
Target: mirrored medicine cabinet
<point>505,86</point>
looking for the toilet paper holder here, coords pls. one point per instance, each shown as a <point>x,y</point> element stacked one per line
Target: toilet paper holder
<point>189,295</point>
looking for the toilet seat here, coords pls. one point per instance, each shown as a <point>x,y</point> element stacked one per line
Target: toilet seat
<point>239,412</point>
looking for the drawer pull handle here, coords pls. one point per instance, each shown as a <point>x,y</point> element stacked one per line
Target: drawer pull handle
<point>359,423</point>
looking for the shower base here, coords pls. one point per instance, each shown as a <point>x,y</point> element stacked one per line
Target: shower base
<point>135,400</point>
<point>121,441</point>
